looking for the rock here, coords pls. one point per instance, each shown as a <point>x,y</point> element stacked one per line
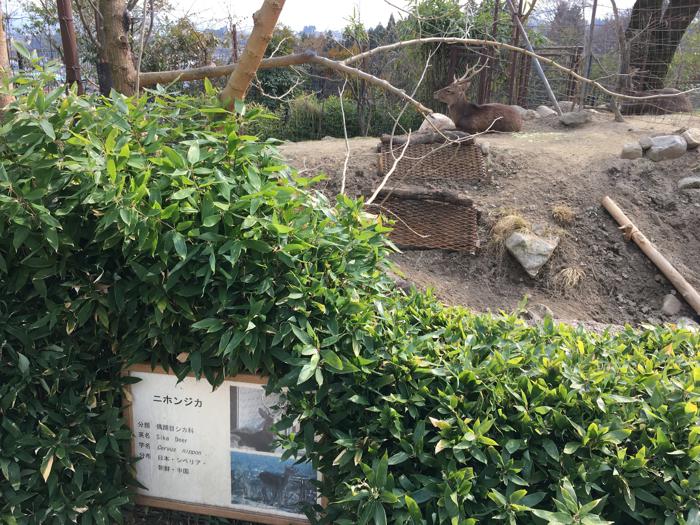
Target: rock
<point>691,137</point>
<point>632,150</point>
<point>519,109</point>
<point>688,324</point>
<point>485,148</point>
<point>671,305</point>
<point>544,111</point>
<point>537,312</point>
<point>566,106</point>
<point>439,120</point>
<point>689,183</point>
<point>531,114</point>
<point>576,118</point>
<point>328,137</point>
<point>530,250</point>
<point>645,143</point>
<point>666,147</point>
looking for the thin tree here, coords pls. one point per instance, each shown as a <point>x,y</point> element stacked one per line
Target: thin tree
<point>264,24</point>
<point>116,23</point>
<point>5,71</point>
<point>70,43</point>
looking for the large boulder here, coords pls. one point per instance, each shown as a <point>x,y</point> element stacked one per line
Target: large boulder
<point>575,118</point>
<point>545,111</point>
<point>666,147</point>
<point>530,250</point>
<point>439,120</point>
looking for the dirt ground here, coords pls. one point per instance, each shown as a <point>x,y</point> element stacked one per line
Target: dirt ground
<point>532,171</point>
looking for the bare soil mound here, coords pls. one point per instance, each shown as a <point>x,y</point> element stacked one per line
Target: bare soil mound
<point>545,166</point>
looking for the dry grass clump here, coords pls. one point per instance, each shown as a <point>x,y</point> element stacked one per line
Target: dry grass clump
<point>506,225</point>
<point>569,278</point>
<point>563,214</point>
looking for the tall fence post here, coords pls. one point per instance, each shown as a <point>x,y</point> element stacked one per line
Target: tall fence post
<point>588,53</point>
<point>538,66</point>
<point>70,44</point>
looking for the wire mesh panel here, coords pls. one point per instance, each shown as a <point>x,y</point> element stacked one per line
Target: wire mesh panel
<point>460,162</point>
<point>429,219</point>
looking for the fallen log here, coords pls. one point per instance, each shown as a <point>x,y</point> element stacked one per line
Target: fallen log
<point>632,233</point>
<point>415,193</point>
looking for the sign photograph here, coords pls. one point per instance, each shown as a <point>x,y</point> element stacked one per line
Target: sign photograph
<point>212,451</point>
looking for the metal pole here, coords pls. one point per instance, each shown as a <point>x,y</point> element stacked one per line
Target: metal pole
<point>588,53</point>
<point>538,66</point>
<point>70,44</point>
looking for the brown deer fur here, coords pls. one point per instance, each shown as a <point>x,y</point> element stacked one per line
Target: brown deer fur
<point>477,118</point>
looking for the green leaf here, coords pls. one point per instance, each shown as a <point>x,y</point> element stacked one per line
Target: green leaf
<point>379,514</point>
<point>193,154</point>
<point>180,245</point>
<point>48,128</point>
<point>22,364</point>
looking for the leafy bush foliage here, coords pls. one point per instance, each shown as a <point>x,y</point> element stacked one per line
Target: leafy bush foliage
<point>442,416</point>
<point>152,230</point>
<point>308,118</point>
<point>133,230</point>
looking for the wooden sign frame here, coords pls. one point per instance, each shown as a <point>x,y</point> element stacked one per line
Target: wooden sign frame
<point>177,505</point>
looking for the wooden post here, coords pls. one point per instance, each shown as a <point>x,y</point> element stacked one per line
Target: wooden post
<point>5,71</point>
<point>264,22</point>
<point>70,44</point>
<point>538,66</point>
<point>632,233</point>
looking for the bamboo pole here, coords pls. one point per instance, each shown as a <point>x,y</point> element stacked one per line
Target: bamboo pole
<point>631,232</point>
<point>70,44</point>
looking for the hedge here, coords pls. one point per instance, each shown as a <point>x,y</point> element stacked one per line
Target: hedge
<point>152,230</point>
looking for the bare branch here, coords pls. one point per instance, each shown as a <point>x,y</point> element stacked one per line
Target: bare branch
<point>341,93</point>
<point>390,172</point>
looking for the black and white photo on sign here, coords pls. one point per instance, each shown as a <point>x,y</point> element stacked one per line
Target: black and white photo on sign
<point>266,482</point>
<point>252,418</point>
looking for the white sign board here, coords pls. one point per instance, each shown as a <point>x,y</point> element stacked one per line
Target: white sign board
<point>212,452</point>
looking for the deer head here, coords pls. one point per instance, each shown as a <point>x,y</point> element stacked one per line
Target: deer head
<point>455,91</point>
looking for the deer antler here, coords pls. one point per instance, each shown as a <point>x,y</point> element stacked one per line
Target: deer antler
<point>471,71</point>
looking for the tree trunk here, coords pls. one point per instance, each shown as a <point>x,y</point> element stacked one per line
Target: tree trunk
<point>668,35</point>
<point>264,24</point>
<point>117,50</point>
<point>104,73</point>
<point>5,71</point>
<point>70,44</point>
<point>653,35</point>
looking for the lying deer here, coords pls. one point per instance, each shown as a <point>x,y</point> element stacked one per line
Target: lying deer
<point>476,118</point>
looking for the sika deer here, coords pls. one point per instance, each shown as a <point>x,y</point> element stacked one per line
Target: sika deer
<point>274,483</point>
<point>260,440</point>
<point>476,118</point>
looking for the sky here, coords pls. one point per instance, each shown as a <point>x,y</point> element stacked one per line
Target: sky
<point>324,14</point>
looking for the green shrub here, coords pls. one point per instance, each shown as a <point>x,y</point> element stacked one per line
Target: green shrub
<point>132,230</point>
<point>443,416</point>
<point>332,118</point>
<point>303,118</point>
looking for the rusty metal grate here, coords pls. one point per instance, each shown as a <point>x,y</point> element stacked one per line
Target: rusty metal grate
<point>435,162</point>
<point>429,219</point>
